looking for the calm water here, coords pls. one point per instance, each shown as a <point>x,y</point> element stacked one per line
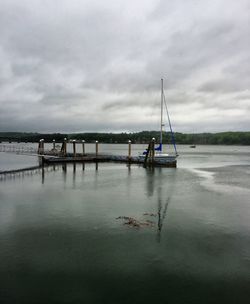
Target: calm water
<point>61,241</point>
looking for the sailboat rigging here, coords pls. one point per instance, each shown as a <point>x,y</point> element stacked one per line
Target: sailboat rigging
<point>159,156</point>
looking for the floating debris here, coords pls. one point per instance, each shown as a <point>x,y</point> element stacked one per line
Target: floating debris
<point>132,222</point>
<point>124,218</point>
<point>150,214</point>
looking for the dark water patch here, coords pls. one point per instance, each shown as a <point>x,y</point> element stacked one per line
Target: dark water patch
<point>104,287</point>
<point>61,242</point>
<point>65,263</point>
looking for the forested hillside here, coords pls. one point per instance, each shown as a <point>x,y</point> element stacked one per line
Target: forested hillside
<point>224,138</point>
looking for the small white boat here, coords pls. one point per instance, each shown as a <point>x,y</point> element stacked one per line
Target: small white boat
<point>159,156</point>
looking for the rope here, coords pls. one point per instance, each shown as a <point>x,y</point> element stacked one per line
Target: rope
<point>170,126</point>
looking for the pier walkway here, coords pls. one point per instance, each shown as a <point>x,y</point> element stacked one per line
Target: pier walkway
<point>59,153</point>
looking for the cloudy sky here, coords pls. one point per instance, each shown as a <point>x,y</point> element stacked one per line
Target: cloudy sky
<point>88,65</point>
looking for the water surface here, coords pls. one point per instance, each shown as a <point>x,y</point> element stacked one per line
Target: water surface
<point>61,240</point>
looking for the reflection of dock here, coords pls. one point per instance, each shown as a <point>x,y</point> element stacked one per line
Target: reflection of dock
<point>28,171</point>
<point>20,170</point>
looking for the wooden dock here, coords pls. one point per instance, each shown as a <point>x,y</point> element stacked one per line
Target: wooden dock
<point>67,152</point>
<point>54,156</point>
<point>92,158</point>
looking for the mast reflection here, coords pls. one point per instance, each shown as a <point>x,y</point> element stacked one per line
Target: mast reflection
<point>161,186</point>
<point>162,211</point>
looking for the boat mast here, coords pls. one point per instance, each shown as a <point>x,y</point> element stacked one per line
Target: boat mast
<point>161,113</point>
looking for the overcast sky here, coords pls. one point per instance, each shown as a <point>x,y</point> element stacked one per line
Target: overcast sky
<point>88,65</point>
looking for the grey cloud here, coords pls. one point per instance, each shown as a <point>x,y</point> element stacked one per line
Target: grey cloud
<point>133,100</point>
<point>62,61</point>
<point>235,78</point>
<point>61,99</point>
<point>120,105</point>
<point>220,86</point>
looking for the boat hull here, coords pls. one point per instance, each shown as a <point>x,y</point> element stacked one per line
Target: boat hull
<point>161,159</point>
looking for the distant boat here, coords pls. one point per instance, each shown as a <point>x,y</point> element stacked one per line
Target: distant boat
<point>159,156</point>
<point>192,146</point>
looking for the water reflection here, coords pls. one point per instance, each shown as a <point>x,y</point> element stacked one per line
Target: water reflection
<point>64,168</point>
<point>150,185</point>
<point>74,175</point>
<point>54,236</point>
<point>22,173</point>
<point>159,184</point>
<point>43,175</point>
<point>161,214</point>
<point>156,183</point>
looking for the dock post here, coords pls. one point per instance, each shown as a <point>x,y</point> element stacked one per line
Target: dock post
<point>54,144</point>
<point>153,150</point>
<point>147,153</point>
<point>129,150</point>
<point>65,146</point>
<point>96,148</point>
<point>150,150</point>
<point>74,147</point>
<point>83,147</point>
<point>39,147</point>
<point>42,146</point>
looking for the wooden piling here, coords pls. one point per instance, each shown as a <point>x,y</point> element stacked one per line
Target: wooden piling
<point>96,148</point>
<point>42,146</point>
<point>62,148</point>
<point>74,148</point>
<point>152,149</point>
<point>54,144</point>
<point>39,147</point>
<point>65,146</point>
<point>83,147</point>
<point>147,153</point>
<point>129,149</point>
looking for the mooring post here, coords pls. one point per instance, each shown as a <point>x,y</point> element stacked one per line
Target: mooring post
<point>150,150</point>
<point>83,147</point>
<point>153,150</point>
<point>129,149</point>
<point>74,147</point>
<point>39,147</point>
<point>54,144</point>
<point>96,148</point>
<point>42,146</point>
<point>62,148</point>
<point>147,153</point>
<point>65,146</point>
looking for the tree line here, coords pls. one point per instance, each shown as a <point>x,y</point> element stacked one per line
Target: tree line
<point>222,138</point>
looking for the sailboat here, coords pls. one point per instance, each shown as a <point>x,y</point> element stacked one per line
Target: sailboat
<point>159,156</point>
